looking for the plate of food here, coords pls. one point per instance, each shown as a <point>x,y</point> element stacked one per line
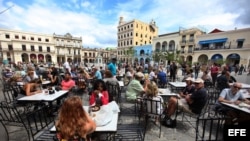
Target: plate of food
<point>95,108</point>
<point>242,104</point>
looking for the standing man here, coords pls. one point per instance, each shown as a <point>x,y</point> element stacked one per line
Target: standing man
<point>112,66</point>
<point>196,70</point>
<point>66,65</point>
<point>214,72</point>
<point>173,71</point>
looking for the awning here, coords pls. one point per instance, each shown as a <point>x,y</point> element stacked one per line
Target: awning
<point>240,40</point>
<point>213,41</point>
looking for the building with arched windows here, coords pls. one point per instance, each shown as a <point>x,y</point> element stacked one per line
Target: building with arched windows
<point>143,54</point>
<point>19,46</point>
<point>225,47</point>
<point>131,34</point>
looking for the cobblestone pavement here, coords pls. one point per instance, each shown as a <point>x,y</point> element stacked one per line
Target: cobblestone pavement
<point>182,132</point>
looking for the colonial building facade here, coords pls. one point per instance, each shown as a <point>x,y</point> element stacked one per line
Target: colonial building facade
<point>19,46</point>
<point>131,34</point>
<point>231,47</point>
<point>194,45</point>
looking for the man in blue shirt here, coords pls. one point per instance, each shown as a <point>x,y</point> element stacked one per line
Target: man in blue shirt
<point>98,74</point>
<point>112,67</point>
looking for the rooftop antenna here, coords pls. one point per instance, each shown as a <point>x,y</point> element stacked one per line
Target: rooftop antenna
<point>6,9</point>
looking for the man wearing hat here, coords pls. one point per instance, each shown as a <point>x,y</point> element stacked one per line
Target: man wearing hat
<point>112,66</point>
<point>191,103</point>
<point>135,88</point>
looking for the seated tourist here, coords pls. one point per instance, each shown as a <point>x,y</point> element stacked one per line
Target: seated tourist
<point>108,77</point>
<point>135,88</point>
<point>152,93</point>
<point>100,95</point>
<point>53,76</point>
<point>162,76</point>
<point>32,87</point>
<point>29,77</point>
<point>67,83</point>
<point>231,95</point>
<point>189,89</point>
<point>73,122</point>
<point>191,103</point>
<point>7,74</point>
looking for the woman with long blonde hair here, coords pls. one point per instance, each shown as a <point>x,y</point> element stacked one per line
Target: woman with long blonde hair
<point>73,122</point>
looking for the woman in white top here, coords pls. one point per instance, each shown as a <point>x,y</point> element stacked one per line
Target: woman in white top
<point>151,92</point>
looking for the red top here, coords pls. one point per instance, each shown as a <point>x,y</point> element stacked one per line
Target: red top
<point>214,69</point>
<point>104,98</point>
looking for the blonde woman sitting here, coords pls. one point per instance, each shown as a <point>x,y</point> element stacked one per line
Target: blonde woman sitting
<point>151,92</point>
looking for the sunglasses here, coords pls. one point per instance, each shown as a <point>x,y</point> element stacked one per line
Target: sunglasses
<point>236,87</point>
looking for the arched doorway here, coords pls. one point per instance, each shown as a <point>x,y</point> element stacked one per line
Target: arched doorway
<point>142,52</point>
<point>25,58</point>
<point>86,60</point>
<point>171,46</point>
<point>157,47</point>
<point>189,59</point>
<point>202,59</point>
<point>147,60</point>
<point>216,57</point>
<point>164,45</point>
<point>33,58</point>
<point>48,58</point>
<point>233,59</point>
<point>40,58</point>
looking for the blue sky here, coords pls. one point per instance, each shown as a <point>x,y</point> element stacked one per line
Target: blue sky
<point>96,21</point>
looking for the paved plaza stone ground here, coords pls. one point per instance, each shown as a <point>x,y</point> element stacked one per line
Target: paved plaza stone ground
<point>183,132</point>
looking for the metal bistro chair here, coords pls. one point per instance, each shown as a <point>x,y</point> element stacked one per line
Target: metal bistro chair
<point>209,128</point>
<point>11,117</point>
<point>39,124</point>
<point>151,108</point>
<point>192,117</point>
<point>114,91</point>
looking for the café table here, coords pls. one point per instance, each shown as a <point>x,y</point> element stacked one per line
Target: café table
<point>166,93</point>
<point>108,128</point>
<point>46,97</point>
<point>245,108</point>
<point>177,86</point>
<point>244,85</point>
<point>45,82</point>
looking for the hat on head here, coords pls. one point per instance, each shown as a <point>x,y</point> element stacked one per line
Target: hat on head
<point>7,68</point>
<point>189,79</point>
<point>198,80</point>
<point>139,74</point>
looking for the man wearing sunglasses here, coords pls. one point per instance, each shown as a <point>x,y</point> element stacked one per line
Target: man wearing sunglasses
<point>231,95</point>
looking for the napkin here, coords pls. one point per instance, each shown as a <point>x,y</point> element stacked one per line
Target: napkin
<point>103,116</point>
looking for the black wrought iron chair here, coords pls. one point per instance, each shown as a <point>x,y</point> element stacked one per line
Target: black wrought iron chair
<point>114,91</point>
<point>39,124</point>
<point>209,128</point>
<point>192,117</point>
<point>11,117</point>
<point>152,108</point>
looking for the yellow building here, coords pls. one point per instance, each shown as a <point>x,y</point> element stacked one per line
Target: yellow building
<point>133,33</point>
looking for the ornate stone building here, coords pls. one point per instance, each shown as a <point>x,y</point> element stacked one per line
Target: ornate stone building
<point>19,46</point>
<point>133,33</point>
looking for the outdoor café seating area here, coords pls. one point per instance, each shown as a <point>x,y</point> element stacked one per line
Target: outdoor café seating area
<point>33,117</point>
